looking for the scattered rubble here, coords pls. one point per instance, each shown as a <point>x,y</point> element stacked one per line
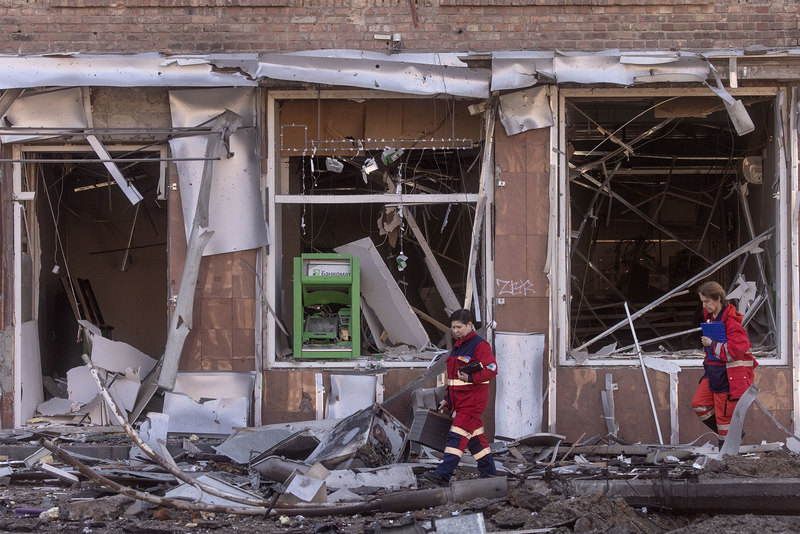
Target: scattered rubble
<point>361,474</point>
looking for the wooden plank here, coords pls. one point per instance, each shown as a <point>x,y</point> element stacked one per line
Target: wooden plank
<point>439,279</point>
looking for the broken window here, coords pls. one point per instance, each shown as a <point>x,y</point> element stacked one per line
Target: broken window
<point>663,195</point>
<point>394,181</point>
<point>94,255</point>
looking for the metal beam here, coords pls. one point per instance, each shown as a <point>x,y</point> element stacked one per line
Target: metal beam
<point>439,279</point>
<point>745,496</point>
<point>759,260</point>
<point>383,198</point>
<point>480,209</point>
<point>613,153</point>
<point>644,373</point>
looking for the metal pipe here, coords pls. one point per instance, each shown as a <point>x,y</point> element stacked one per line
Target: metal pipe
<point>761,274</point>
<point>746,496</point>
<point>644,373</point>
<point>657,339</point>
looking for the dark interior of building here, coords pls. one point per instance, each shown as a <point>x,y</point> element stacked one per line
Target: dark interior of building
<point>447,227</point>
<point>660,190</point>
<point>102,257</point>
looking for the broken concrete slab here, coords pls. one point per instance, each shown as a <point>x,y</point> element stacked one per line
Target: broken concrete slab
<point>102,509</point>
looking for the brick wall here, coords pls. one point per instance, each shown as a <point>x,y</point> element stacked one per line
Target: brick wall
<point>179,26</point>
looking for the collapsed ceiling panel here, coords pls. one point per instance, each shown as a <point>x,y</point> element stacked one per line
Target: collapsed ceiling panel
<point>236,214</point>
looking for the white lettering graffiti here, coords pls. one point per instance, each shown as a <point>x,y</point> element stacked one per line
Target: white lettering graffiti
<point>515,288</point>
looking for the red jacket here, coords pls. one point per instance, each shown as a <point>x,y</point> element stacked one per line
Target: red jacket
<point>470,397</point>
<point>733,353</point>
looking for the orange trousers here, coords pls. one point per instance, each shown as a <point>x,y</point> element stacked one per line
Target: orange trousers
<point>714,406</point>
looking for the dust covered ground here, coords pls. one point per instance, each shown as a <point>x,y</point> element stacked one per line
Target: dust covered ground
<point>530,504</point>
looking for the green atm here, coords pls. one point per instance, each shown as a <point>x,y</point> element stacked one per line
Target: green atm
<point>327,298</point>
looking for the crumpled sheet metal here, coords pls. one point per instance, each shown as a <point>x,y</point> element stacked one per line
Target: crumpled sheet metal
<point>235,214</point>
<point>51,109</point>
<point>385,73</point>
<point>519,69</point>
<point>525,110</point>
<point>628,68</point>
<point>138,70</point>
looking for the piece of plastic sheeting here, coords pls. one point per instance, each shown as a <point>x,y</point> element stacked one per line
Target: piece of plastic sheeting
<point>62,108</point>
<point>236,213</point>
<point>349,394</point>
<point>430,74</point>
<point>518,405</point>
<point>525,110</point>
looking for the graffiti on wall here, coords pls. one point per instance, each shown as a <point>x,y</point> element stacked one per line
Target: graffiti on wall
<point>515,288</point>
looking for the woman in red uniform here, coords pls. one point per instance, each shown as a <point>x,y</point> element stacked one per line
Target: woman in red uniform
<point>728,363</point>
<point>467,393</point>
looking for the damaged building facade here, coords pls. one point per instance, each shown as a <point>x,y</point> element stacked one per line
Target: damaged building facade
<point>165,208</point>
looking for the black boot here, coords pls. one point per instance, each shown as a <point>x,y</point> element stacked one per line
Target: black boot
<point>711,423</point>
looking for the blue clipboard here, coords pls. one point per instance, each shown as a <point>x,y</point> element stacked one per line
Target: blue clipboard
<point>716,331</point>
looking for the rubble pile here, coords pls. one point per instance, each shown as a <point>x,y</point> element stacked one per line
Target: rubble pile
<point>362,474</point>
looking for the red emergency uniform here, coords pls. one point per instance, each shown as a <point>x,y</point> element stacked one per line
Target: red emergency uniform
<point>728,373</point>
<point>467,400</point>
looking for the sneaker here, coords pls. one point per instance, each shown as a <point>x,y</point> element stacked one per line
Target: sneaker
<point>436,478</point>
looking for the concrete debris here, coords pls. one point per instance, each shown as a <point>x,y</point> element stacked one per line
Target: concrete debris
<point>365,463</point>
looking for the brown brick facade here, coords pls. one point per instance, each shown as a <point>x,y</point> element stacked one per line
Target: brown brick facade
<point>184,26</point>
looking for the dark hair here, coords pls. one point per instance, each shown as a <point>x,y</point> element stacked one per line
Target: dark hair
<point>713,291</point>
<point>462,316</point>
